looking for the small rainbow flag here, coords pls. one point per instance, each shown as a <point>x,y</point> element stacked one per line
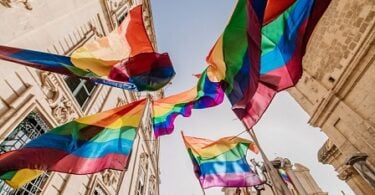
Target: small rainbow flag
<point>206,94</point>
<point>124,59</point>
<point>222,163</point>
<point>83,146</point>
<point>284,175</point>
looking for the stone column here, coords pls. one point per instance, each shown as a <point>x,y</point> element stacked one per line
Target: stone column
<point>358,161</point>
<point>297,184</point>
<point>348,174</point>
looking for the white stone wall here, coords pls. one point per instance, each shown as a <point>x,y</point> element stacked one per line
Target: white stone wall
<point>337,85</point>
<point>57,27</point>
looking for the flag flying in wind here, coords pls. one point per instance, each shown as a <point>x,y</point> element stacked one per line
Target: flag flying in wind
<point>83,146</point>
<point>124,59</point>
<point>283,45</point>
<point>222,163</point>
<point>270,58</point>
<point>206,94</point>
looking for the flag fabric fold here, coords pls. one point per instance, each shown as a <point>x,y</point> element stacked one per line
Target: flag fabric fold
<point>221,163</point>
<point>233,60</point>
<point>283,45</point>
<point>83,146</point>
<point>206,94</point>
<point>125,58</point>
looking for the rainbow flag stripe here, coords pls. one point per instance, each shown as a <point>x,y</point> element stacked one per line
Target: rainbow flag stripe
<point>83,146</point>
<point>284,175</point>
<point>221,163</point>
<point>205,94</point>
<point>125,58</point>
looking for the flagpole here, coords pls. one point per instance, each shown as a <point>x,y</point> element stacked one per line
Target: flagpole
<point>204,193</point>
<point>131,152</point>
<point>279,186</point>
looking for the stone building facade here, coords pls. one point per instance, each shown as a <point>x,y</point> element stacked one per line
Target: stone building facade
<point>301,181</point>
<point>337,90</point>
<point>33,101</point>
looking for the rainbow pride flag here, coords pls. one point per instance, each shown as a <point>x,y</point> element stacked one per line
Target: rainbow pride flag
<point>125,58</point>
<point>83,146</point>
<point>206,94</point>
<point>260,52</point>
<point>222,163</point>
<point>284,41</point>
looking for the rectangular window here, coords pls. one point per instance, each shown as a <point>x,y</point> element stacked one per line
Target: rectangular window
<point>30,128</point>
<point>80,88</point>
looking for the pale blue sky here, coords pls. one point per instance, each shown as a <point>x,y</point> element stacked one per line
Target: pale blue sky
<point>187,30</point>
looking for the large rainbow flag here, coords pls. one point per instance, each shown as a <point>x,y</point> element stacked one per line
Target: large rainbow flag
<point>206,94</point>
<point>283,45</point>
<point>83,146</point>
<point>261,50</point>
<point>222,163</point>
<point>125,58</point>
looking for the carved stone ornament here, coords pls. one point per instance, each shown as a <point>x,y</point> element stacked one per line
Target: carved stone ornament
<point>63,111</point>
<point>11,3</point>
<point>346,172</point>
<point>110,177</point>
<point>62,108</point>
<point>115,4</point>
<point>327,152</point>
<point>120,101</point>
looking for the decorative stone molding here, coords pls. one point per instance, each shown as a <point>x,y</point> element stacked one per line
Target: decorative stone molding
<point>11,3</point>
<point>345,172</point>
<point>121,102</point>
<point>143,157</point>
<point>110,177</point>
<point>63,111</point>
<point>114,5</point>
<point>328,152</point>
<point>62,108</point>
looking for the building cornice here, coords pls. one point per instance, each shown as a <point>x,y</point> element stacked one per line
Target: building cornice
<point>328,152</point>
<point>11,3</point>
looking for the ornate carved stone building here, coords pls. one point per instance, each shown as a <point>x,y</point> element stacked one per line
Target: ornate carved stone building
<point>337,90</point>
<point>32,101</point>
